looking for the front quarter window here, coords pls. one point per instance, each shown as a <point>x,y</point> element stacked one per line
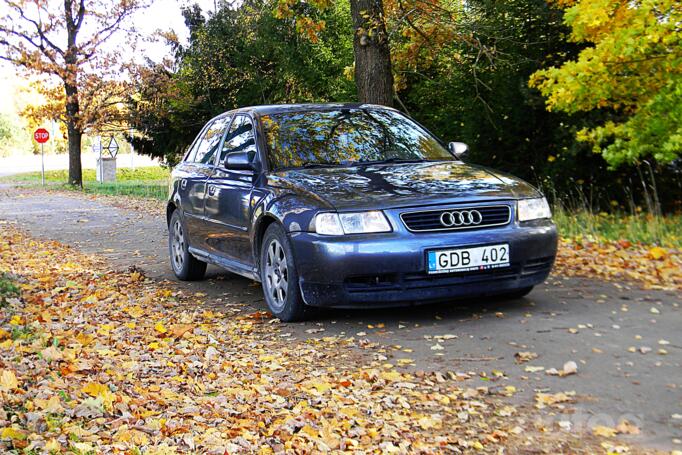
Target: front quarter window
<point>239,138</point>
<point>205,150</point>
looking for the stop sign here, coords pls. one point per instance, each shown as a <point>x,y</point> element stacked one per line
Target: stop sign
<point>41,135</point>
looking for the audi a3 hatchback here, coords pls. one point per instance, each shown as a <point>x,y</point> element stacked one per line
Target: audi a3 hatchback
<point>352,205</point>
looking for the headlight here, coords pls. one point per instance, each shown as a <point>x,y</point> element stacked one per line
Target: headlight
<point>351,223</point>
<point>533,209</point>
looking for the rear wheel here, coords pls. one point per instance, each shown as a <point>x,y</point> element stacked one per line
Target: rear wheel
<point>185,266</point>
<point>279,276</point>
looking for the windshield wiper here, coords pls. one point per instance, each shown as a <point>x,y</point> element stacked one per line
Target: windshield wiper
<point>311,164</point>
<point>389,160</point>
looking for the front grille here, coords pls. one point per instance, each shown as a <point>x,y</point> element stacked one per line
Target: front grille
<point>430,220</point>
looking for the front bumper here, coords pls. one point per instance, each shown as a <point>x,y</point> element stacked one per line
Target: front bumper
<point>390,269</point>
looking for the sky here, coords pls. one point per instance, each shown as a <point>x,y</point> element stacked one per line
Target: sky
<point>161,14</point>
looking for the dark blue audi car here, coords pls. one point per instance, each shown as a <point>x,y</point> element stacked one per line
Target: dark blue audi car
<point>352,205</point>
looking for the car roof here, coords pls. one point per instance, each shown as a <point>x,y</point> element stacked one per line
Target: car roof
<point>270,109</point>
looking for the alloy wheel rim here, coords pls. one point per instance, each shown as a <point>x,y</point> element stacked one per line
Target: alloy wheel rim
<point>276,274</point>
<point>178,246</point>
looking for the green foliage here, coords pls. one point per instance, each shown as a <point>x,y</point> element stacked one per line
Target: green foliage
<point>639,227</point>
<point>630,68</point>
<point>13,136</point>
<point>5,128</point>
<point>482,98</point>
<point>239,57</point>
<point>144,189</point>
<point>8,289</point>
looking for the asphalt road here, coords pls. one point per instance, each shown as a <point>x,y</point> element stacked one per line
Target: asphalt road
<point>596,324</point>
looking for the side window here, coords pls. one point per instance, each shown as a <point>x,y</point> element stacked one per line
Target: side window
<point>208,146</point>
<point>239,138</point>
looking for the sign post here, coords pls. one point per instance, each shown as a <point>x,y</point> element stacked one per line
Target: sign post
<point>42,136</point>
<point>97,148</point>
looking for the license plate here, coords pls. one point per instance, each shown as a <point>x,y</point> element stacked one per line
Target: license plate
<point>468,259</point>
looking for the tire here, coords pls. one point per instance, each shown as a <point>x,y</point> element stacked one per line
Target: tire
<point>517,294</point>
<point>185,266</point>
<point>279,276</point>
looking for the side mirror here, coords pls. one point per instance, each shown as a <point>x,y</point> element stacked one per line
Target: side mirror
<point>458,149</point>
<point>239,161</point>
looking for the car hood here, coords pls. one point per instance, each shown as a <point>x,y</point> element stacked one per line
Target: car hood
<point>401,185</point>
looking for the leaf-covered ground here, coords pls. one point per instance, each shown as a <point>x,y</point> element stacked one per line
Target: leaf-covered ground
<point>652,267</point>
<point>99,361</point>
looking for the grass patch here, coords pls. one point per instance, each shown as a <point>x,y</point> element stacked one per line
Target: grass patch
<point>144,189</point>
<point>146,182</point>
<point>124,174</point>
<point>8,289</point>
<point>644,228</point>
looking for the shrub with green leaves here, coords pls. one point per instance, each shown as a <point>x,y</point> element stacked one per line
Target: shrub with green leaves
<point>8,289</point>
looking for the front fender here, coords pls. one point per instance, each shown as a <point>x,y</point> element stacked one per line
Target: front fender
<point>295,213</point>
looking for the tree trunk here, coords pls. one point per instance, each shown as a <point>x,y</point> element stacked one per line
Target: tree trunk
<point>75,134</point>
<point>373,74</point>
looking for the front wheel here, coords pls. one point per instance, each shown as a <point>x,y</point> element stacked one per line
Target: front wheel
<point>279,276</point>
<point>185,266</point>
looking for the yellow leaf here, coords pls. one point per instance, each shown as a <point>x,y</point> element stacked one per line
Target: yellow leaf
<point>310,431</point>
<point>657,253</point>
<point>8,381</point>
<point>427,423</point>
<point>321,386</point>
<point>136,437</point>
<point>101,391</point>
<point>159,327</point>
<point>94,389</point>
<point>606,432</point>
<point>135,311</point>
<point>53,405</point>
<point>84,339</point>
<point>13,433</point>
<point>391,375</point>
<point>53,446</point>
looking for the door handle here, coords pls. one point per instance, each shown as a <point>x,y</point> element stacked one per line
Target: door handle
<point>183,184</point>
<point>211,190</point>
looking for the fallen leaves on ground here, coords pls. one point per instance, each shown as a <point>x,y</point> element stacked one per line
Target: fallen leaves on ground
<point>569,368</point>
<point>624,427</point>
<point>525,356</point>
<point>653,267</point>
<point>110,362</point>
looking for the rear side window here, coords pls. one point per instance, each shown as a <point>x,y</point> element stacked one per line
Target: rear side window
<point>206,148</point>
<point>240,138</point>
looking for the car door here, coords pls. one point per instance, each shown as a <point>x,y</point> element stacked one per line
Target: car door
<point>196,170</point>
<point>228,206</point>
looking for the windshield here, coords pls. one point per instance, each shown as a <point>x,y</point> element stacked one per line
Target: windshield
<point>347,136</point>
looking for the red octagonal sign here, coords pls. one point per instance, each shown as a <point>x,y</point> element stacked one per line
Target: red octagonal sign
<point>41,135</point>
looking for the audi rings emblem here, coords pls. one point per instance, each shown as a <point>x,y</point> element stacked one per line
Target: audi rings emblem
<point>458,218</point>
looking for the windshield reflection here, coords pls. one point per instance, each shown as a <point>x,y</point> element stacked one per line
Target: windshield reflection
<point>347,136</point>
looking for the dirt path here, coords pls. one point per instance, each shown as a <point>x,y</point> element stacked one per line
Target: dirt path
<point>596,324</point>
